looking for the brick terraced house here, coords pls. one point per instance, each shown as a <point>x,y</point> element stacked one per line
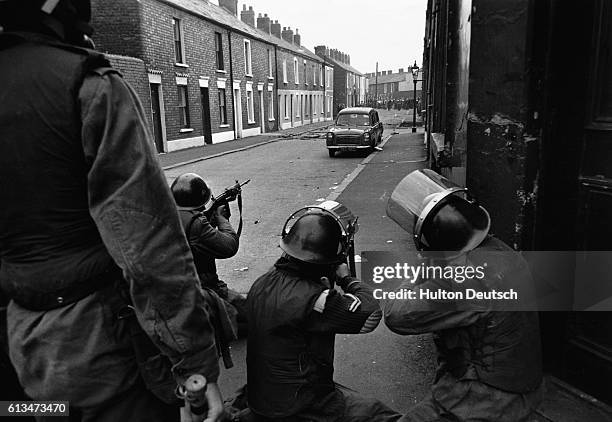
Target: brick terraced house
<point>349,84</point>
<point>212,76</point>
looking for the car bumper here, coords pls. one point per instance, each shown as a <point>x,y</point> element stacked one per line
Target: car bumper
<point>347,147</point>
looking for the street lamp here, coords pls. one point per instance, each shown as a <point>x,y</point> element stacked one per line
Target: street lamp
<point>415,75</point>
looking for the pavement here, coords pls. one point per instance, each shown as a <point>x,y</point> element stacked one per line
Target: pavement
<point>191,155</point>
<point>379,368</point>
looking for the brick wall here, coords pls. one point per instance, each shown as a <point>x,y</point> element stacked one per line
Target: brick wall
<point>135,73</point>
<point>116,25</point>
<point>259,74</point>
<point>339,89</point>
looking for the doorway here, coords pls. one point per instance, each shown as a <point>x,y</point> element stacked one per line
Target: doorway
<point>156,111</point>
<point>206,125</point>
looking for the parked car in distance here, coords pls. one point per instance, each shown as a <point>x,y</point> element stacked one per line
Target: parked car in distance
<point>355,128</point>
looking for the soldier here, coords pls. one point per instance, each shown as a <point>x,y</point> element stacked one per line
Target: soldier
<point>209,240</point>
<point>294,313</point>
<point>91,247</point>
<point>489,356</point>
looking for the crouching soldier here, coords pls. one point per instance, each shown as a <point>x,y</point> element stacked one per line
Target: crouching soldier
<point>294,313</point>
<point>210,236</point>
<point>488,353</point>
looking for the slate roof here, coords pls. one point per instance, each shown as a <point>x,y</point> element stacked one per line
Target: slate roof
<point>223,17</point>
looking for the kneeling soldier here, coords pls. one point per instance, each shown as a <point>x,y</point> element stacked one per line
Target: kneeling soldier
<point>294,313</point>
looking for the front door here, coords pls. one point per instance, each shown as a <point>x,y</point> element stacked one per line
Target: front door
<point>206,126</point>
<point>157,119</point>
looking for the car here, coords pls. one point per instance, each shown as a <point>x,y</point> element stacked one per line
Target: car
<point>355,128</point>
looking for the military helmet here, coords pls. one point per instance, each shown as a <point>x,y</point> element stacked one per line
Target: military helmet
<point>190,191</point>
<point>75,14</point>
<point>319,234</point>
<point>441,215</point>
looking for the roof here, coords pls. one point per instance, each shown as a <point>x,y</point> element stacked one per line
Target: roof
<point>361,110</point>
<point>223,17</point>
<point>344,66</point>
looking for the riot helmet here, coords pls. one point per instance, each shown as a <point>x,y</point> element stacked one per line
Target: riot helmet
<point>441,215</point>
<point>190,192</point>
<point>319,234</point>
<point>38,15</point>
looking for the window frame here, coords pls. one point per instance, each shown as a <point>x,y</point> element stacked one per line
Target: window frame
<point>270,64</point>
<point>184,117</point>
<point>222,95</point>
<point>250,100</point>
<point>179,54</point>
<point>248,64</point>
<point>285,71</point>
<point>296,71</point>
<point>219,51</point>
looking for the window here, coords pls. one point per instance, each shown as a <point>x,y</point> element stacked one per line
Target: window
<point>219,51</point>
<point>287,107</point>
<point>298,105</point>
<point>270,105</point>
<point>296,70</point>
<point>321,75</point>
<point>270,63</point>
<point>250,107</point>
<point>305,74</point>
<point>222,107</point>
<point>183,106</point>
<point>247,57</point>
<point>178,41</point>
<point>285,71</point>
<point>314,75</point>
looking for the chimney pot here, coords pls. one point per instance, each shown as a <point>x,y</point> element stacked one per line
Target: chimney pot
<point>230,5</point>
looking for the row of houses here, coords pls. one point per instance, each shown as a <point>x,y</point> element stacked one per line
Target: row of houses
<point>210,73</point>
<point>386,85</point>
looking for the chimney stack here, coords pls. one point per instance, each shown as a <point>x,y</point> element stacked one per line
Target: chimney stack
<point>263,23</point>
<point>389,72</point>
<point>401,70</point>
<point>287,35</point>
<point>230,5</point>
<point>275,28</point>
<point>321,50</point>
<point>247,16</point>
<point>297,39</point>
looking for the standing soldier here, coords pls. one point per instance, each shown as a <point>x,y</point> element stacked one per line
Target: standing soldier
<point>489,357</point>
<point>93,255</point>
<point>294,314</point>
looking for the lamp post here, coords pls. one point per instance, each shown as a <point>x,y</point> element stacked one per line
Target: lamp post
<point>415,75</point>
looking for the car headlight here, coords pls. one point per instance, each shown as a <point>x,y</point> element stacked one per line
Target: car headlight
<point>366,135</point>
<point>330,135</point>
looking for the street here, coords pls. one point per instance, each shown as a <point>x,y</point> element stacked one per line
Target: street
<point>290,173</point>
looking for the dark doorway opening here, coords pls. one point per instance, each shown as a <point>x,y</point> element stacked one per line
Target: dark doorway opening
<point>157,118</point>
<point>206,126</point>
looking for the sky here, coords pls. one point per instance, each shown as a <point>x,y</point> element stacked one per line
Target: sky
<point>388,31</point>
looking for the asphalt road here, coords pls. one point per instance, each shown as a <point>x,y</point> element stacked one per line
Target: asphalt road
<point>289,174</point>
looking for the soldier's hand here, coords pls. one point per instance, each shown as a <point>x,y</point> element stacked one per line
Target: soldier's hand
<point>215,403</point>
<point>222,211</point>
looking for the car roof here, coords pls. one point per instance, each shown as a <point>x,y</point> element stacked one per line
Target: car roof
<point>357,110</point>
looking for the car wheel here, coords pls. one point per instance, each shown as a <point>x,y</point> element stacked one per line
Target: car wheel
<point>331,153</point>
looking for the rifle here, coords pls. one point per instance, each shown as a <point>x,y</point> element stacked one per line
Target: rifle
<point>231,193</point>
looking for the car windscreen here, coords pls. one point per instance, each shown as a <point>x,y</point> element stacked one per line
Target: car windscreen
<point>353,119</point>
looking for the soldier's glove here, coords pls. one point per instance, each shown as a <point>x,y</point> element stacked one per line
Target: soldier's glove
<point>343,275</point>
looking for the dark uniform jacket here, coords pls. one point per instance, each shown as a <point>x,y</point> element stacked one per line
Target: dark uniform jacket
<point>293,319</point>
<point>208,243</point>
<point>85,202</point>
<point>481,353</point>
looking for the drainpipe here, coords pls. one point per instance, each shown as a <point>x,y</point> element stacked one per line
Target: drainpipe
<point>278,110</point>
<point>229,38</point>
